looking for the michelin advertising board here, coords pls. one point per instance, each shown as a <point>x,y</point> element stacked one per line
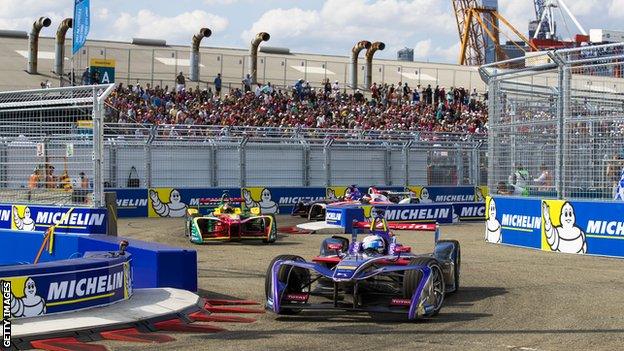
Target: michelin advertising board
<point>46,293</point>
<point>513,221</point>
<point>429,194</point>
<point>173,202</point>
<point>70,220</point>
<point>276,200</point>
<point>577,227</point>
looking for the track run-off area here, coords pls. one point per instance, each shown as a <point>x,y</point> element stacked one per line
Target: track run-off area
<point>510,298</point>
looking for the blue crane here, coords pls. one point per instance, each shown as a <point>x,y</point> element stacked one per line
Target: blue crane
<point>540,7</point>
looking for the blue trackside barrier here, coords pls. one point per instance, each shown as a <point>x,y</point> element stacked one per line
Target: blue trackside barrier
<point>155,265</point>
<point>171,202</point>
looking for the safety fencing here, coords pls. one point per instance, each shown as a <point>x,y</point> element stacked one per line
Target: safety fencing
<point>45,157</point>
<point>561,140</point>
<point>215,156</point>
<point>173,201</point>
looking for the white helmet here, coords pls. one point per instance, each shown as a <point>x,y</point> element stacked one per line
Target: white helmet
<point>373,244</point>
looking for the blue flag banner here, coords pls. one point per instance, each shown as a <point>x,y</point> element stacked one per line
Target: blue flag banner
<point>81,24</point>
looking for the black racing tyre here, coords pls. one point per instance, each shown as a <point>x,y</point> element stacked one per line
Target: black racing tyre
<point>315,213</point>
<point>297,279</point>
<point>273,235</point>
<point>457,263</point>
<point>412,279</point>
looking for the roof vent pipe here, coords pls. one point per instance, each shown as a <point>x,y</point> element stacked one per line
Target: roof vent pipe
<point>197,38</point>
<point>368,80</point>
<point>59,53</point>
<point>355,52</point>
<point>33,42</point>
<point>253,51</point>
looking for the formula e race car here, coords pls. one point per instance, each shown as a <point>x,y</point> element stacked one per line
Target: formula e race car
<point>229,223</point>
<point>375,275</point>
<point>315,210</point>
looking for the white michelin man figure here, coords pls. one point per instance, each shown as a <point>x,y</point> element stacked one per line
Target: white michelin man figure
<point>492,225</point>
<point>30,305</point>
<point>175,207</point>
<point>331,194</point>
<point>424,196</point>
<point>566,237</point>
<point>23,223</point>
<point>267,206</point>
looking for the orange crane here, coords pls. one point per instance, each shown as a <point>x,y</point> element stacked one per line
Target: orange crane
<point>475,24</point>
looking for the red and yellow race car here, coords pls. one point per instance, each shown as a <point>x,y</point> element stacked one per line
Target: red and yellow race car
<point>229,223</point>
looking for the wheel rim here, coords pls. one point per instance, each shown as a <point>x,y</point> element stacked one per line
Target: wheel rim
<point>436,289</point>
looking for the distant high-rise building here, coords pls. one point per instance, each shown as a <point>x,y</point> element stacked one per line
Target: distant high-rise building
<point>405,54</point>
<point>490,48</point>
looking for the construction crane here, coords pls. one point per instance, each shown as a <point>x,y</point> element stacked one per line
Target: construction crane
<point>478,26</point>
<point>540,7</point>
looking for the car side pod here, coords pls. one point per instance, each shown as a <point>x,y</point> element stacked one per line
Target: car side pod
<point>419,307</point>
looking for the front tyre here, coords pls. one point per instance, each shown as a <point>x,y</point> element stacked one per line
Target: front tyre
<point>298,279</point>
<point>433,293</point>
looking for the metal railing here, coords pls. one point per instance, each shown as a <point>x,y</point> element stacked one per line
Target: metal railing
<point>45,155</point>
<point>217,156</point>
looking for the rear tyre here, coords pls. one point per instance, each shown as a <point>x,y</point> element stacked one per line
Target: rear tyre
<point>435,294</point>
<point>189,224</point>
<point>297,278</point>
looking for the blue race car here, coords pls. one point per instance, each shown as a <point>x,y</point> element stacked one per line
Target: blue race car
<point>374,275</point>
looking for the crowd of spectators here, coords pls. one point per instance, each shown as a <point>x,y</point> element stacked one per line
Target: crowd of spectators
<point>385,108</point>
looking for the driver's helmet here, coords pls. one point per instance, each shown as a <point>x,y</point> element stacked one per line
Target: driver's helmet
<point>373,244</point>
<point>373,191</point>
<point>227,208</point>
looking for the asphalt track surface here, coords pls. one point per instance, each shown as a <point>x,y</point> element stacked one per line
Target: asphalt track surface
<point>510,299</point>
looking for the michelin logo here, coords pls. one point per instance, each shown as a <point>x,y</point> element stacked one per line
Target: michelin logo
<point>68,289</point>
<point>519,221</point>
<point>75,218</point>
<point>295,200</point>
<point>605,227</point>
<point>417,213</point>
<point>131,202</point>
<point>454,198</point>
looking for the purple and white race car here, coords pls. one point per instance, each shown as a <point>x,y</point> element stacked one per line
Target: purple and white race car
<point>373,275</point>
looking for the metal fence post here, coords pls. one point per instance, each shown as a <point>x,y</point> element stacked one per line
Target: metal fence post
<point>406,152</point>
<point>112,164</point>
<point>459,164</point>
<point>564,97</point>
<point>98,182</point>
<point>327,158</point>
<point>305,163</point>
<point>242,161</point>
<point>388,164</point>
<point>214,181</point>
<point>493,88</point>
